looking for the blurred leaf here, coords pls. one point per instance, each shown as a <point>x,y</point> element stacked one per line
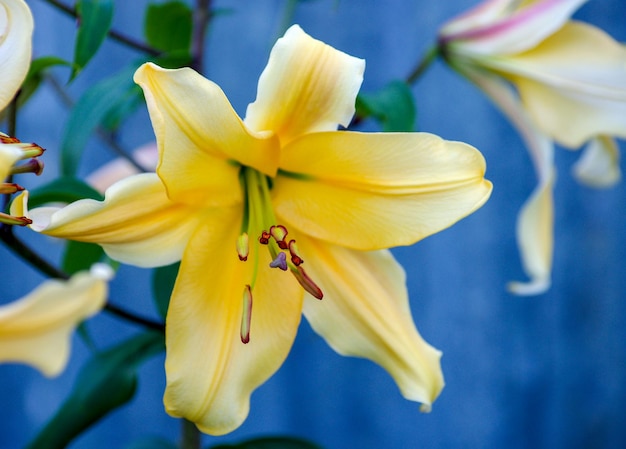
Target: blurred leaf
<point>80,256</point>
<point>270,443</point>
<point>152,443</point>
<point>35,75</point>
<point>167,26</point>
<point>174,59</point>
<point>95,106</point>
<point>163,279</point>
<point>62,190</point>
<point>393,107</point>
<point>95,18</point>
<point>106,382</point>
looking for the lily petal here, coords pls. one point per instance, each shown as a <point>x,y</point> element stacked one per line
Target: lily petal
<point>192,116</point>
<point>535,223</point>
<point>135,224</point>
<point>573,84</point>
<point>36,329</point>
<point>307,86</point>
<point>374,191</point>
<point>535,229</point>
<point>365,313</point>
<point>482,15</point>
<point>16,23</point>
<point>518,30</point>
<point>210,372</point>
<point>9,155</point>
<point>599,164</point>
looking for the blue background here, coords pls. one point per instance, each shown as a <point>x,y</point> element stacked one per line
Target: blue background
<point>535,372</point>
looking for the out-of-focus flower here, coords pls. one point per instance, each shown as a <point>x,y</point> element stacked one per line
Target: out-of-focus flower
<point>36,329</point>
<point>232,197</point>
<point>16,31</point>
<point>556,80</point>
<point>12,151</point>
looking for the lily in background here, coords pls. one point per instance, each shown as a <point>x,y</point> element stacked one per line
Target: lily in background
<point>15,47</point>
<point>557,80</point>
<point>36,329</point>
<point>232,197</point>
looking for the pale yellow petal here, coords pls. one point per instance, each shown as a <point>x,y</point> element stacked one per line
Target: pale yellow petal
<point>365,313</point>
<point>16,31</point>
<point>36,330</point>
<point>9,155</point>
<point>599,164</point>
<point>210,372</point>
<point>535,238</point>
<point>201,139</point>
<point>307,86</point>
<point>520,27</point>
<point>135,224</point>
<point>373,191</point>
<point>573,84</point>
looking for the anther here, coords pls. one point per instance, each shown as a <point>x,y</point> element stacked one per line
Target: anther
<point>295,256</point>
<point>280,261</point>
<point>9,188</point>
<point>12,220</point>
<point>307,283</point>
<point>243,247</point>
<point>32,166</point>
<point>279,232</point>
<point>265,238</point>
<point>246,315</point>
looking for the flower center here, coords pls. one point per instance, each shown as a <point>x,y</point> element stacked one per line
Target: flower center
<point>260,222</point>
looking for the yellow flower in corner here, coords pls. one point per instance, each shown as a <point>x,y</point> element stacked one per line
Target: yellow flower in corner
<point>272,214</point>
<point>36,329</point>
<point>16,23</point>
<point>556,80</point>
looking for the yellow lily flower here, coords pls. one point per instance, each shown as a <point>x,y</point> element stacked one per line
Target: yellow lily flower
<point>569,81</point>
<point>232,197</point>
<point>36,329</point>
<point>15,47</point>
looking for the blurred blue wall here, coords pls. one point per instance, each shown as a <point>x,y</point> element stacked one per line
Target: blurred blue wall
<point>538,372</point>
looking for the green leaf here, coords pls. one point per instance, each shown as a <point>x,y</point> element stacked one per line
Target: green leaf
<point>167,26</point>
<point>80,256</point>
<point>271,443</point>
<point>95,18</point>
<point>163,279</point>
<point>35,75</point>
<point>152,443</point>
<point>95,106</point>
<point>106,382</point>
<point>393,107</point>
<point>62,190</point>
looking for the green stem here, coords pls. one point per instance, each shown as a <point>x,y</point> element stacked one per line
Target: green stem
<point>115,35</point>
<point>427,59</point>
<point>189,435</point>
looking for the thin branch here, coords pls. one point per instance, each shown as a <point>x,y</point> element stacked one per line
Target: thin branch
<point>421,66</point>
<point>106,136</point>
<point>113,34</point>
<point>201,17</point>
<point>26,253</point>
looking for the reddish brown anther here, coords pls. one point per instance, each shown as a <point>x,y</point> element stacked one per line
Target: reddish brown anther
<point>307,283</point>
<point>295,257</point>
<point>279,232</point>
<point>9,188</point>
<point>265,238</point>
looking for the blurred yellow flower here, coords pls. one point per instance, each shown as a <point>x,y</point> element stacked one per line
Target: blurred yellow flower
<point>36,329</point>
<point>569,82</point>
<point>16,23</point>
<point>232,197</point>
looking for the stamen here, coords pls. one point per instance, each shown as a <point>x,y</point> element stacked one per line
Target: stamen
<point>265,238</point>
<point>12,220</point>
<point>246,315</point>
<point>280,261</point>
<point>9,188</point>
<point>307,283</point>
<point>295,256</point>
<point>279,232</point>
<point>32,166</point>
<point>243,247</point>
